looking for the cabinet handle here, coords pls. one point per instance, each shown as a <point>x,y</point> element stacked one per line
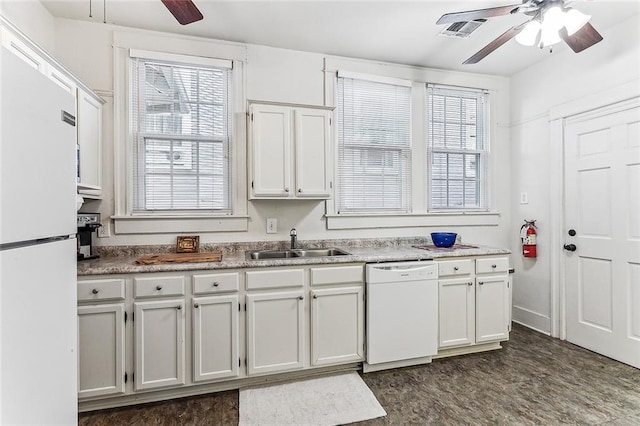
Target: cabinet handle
<point>158,287</point>
<point>216,283</point>
<point>480,282</point>
<point>455,268</point>
<point>315,296</point>
<point>94,291</point>
<point>494,266</point>
<point>300,297</point>
<point>469,283</point>
<point>179,307</point>
<point>196,305</point>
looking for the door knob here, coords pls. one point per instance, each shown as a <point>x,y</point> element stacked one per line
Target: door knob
<point>570,247</point>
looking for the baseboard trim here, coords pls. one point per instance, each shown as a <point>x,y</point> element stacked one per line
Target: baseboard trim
<point>532,320</point>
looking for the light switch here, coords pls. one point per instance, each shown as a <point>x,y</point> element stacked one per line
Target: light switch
<point>524,198</point>
<point>272,225</point>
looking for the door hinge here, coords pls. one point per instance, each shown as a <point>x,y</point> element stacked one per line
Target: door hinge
<point>251,184</point>
<point>125,377</point>
<point>239,307</point>
<point>330,184</point>
<point>251,116</point>
<point>245,362</point>
<point>330,122</point>
<point>245,307</point>
<point>125,317</point>
<point>133,316</point>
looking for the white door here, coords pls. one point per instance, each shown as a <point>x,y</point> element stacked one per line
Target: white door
<point>159,344</point>
<point>313,148</point>
<point>100,350</point>
<point>337,325</point>
<point>275,332</point>
<point>456,312</point>
<point>270,133</point>
<point>215,337</point>
<point>602,205</point>
<point>492,308</point>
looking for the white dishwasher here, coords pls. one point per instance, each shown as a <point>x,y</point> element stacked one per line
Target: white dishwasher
<point>402,314</point>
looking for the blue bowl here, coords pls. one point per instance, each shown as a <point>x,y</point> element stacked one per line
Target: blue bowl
<point>443,239</point>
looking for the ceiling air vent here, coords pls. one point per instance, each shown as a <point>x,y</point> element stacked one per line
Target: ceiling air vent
<point>462,29</point>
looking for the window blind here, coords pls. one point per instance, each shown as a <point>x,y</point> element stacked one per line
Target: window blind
<point>374,146</point>
<point>181,122</point>
<point>457,148</point>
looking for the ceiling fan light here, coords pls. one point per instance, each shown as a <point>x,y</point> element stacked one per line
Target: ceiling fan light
<point>553,18</point>
<point>574,20</point>
<point>529,34</point>
<point>549,37</point>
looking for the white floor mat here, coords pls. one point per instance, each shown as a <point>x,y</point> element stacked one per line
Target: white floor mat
<point>331,400</point>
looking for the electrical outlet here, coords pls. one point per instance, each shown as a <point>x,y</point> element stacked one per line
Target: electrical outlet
<point>272,226</point>
<point>524,198</point>
<point>104,231</point>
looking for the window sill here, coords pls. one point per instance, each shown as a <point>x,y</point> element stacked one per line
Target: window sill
<point>170,224</point>
<point>410,220</point>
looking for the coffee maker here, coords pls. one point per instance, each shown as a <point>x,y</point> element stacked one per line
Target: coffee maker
<point>88,223</point>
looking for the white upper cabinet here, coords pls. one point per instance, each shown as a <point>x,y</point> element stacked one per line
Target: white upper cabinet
<point>289,151</point>
<point>90,141</point>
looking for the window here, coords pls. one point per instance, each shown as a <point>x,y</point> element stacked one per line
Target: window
<point>374,145</point>
<point>181,136</point>
<point>457,148</point>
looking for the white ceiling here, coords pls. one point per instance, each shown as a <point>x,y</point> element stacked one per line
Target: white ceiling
<point>391,31</point>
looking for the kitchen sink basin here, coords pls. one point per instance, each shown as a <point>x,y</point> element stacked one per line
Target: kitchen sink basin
<point>296,253</point>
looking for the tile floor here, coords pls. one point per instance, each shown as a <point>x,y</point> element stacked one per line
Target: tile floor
<point>534,380</point>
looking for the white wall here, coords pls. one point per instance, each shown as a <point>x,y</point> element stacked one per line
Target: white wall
<point>31,17</point>
<point>285,76</point>
<point>563,77</point>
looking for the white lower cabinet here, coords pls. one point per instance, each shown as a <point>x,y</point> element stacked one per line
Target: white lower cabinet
<point>337,325</point>
<point>159,346</point>
<point>215,337</point>
<point>474,303</point>
<point>275,332</point>
<point>101,355</point>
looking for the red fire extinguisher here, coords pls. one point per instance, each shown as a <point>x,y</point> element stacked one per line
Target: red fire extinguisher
<point>528,236</point>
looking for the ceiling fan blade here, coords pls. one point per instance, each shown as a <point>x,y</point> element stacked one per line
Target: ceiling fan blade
<point>471,15</point>
<point>502,39</point>
<point>582,39</point>
<point>183,10</point>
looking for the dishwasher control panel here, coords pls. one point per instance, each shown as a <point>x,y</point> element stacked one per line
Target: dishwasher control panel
<point>402,271</point>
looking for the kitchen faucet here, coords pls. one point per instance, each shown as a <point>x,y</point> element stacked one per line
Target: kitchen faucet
<point>294,238</point>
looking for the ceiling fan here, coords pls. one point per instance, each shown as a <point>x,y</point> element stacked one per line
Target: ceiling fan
<point>183,10</point>
<point>551,22</point>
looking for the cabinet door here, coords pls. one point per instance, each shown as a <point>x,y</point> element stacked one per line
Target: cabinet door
<point>271,151</point>
<point>337,325</point>
<point>90,140</point>
<point>456,312</point>
<point>159,344</point>
<point>492,308</point>
<point>312,152</point>
<point>215,337</point>
<point>100,350</point>
<point>275,332</point>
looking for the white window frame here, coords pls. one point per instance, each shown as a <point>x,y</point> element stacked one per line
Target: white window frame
<point>187,49</point>
<point>483,153</point>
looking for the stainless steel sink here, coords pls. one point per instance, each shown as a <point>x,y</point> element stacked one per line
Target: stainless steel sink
<point>297,253</point>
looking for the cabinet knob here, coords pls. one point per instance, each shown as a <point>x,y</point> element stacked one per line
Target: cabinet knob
<point>286,190</point>
<point>480,282</point>
<point>469,283</point>
<point>300,297</point>
<point>455,268</point>
<point>216,283</point>
<point>94,291</point>
<point>315,296</point>
<point>158,287</point>
<point>494,266</point>
<point>196,305</point>
<point>299,189</point>
<point>179,307</point>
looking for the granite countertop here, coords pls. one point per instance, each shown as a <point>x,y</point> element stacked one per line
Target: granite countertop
<point>121,260</point>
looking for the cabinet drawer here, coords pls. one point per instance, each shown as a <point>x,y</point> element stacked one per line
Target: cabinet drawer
<point>337,275</point>
<point>492,265</point>
<point>275,278</point>
<point>216,283</point>
<point>158,286</point>
<point>101,290</point>
<point>455,267</point>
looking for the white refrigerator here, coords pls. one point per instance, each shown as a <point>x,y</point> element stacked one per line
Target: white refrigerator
<point>38,316</point>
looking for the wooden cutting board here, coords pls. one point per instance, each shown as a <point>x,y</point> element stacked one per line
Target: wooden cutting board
<point>157,259</point>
